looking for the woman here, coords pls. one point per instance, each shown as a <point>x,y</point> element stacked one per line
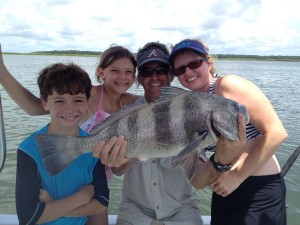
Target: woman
<point>252,191</point>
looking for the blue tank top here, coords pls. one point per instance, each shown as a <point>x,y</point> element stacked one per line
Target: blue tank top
<point>66,183</point>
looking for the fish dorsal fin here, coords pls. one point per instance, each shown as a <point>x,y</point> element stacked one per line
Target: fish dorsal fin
<point>168,92</point>
<point>123,112</point>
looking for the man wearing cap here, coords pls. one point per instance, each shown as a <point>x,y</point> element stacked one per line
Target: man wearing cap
<point>154,193</point>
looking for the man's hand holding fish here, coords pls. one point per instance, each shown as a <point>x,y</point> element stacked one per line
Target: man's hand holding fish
<point>112,152</point>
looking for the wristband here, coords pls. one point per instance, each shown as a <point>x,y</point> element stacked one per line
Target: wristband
<point>218,166</point>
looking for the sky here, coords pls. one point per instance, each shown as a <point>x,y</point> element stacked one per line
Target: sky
<point>248,27</point>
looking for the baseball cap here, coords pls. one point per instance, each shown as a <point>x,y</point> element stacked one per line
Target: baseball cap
<point>152,54</point>
<point>187,44</point>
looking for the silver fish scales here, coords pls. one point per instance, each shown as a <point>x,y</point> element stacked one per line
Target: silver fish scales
<point>178,123</point>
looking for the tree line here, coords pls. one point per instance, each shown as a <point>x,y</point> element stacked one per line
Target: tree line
<point>218,56</point>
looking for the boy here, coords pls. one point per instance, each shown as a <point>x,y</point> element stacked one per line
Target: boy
<point>81,189</point>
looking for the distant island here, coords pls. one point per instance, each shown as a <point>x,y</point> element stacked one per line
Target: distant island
<point>218,56</point>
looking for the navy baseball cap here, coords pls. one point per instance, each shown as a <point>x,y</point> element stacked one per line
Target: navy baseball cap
<point>188,44</point>
<point>152,54</point>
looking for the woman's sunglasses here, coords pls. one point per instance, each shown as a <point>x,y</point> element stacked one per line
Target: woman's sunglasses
<point>192,65</point>
<point>160,70</point>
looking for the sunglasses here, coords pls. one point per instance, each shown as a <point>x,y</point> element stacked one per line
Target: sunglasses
<point>160,70</point>
<point>192,65</point>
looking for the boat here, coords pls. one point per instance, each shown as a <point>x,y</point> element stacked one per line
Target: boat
<point>11,219</point>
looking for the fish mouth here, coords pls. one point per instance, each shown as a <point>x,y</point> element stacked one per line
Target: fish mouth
<point>216,132</point>
<point>212,130</point>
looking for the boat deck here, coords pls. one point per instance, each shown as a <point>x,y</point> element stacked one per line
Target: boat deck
<point>11,219</point>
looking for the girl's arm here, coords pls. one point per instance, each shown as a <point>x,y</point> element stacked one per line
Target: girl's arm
<point>22,96</point>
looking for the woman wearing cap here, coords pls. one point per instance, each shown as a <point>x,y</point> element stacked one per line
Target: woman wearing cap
<point>249,189</point>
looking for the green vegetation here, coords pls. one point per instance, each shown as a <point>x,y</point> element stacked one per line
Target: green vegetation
<point>217,56</point>
<point>59,53</point>
<point>258,57</point>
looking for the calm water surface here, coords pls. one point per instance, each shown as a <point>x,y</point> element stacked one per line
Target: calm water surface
<point>278,80</point>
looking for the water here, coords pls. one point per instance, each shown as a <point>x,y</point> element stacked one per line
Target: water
<point>278,80</point>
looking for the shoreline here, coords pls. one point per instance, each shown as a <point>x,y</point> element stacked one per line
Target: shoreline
<point>216,56</point>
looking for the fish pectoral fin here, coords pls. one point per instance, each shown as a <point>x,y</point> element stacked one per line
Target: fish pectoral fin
<point>194,144</point>
<point>189,165</point>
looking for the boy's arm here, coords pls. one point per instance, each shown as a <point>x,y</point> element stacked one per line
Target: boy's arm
<point>62,207</point>
<point>28,206</point>
<point>97,207</point>
<point>30,209</point>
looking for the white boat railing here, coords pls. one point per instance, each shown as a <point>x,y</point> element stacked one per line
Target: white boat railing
<point>11,219</point>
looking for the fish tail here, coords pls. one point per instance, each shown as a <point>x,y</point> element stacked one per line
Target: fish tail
<point>57,151</point>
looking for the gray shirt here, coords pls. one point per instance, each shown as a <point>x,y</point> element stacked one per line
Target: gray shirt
<point>152,189</point>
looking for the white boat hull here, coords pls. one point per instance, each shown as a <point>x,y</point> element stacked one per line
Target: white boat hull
<point>11,219</point>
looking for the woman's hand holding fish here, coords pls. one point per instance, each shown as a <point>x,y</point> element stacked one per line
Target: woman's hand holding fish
<point>226,183</point>
<point>227,152</point>
<point>112,152</point>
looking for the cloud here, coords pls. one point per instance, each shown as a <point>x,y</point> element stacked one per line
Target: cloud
<point>263,27</point>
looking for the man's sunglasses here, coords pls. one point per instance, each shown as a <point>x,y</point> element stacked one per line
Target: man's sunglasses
<point>192,65</point>
<point>160,70</point>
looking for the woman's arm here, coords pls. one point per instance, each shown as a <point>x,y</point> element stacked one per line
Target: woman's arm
<point>262,116</point>
<point>22,96</point>
<point>258,151</point>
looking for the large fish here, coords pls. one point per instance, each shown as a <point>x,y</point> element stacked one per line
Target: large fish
<point>180,121</point>
<point>2,137</point>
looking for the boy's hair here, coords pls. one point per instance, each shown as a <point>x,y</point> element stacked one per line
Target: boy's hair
<point>110,55</point>
<point>64,79</point>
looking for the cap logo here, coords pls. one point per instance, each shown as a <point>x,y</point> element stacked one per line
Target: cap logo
<point>153,53</point>
<point>183,44</point>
